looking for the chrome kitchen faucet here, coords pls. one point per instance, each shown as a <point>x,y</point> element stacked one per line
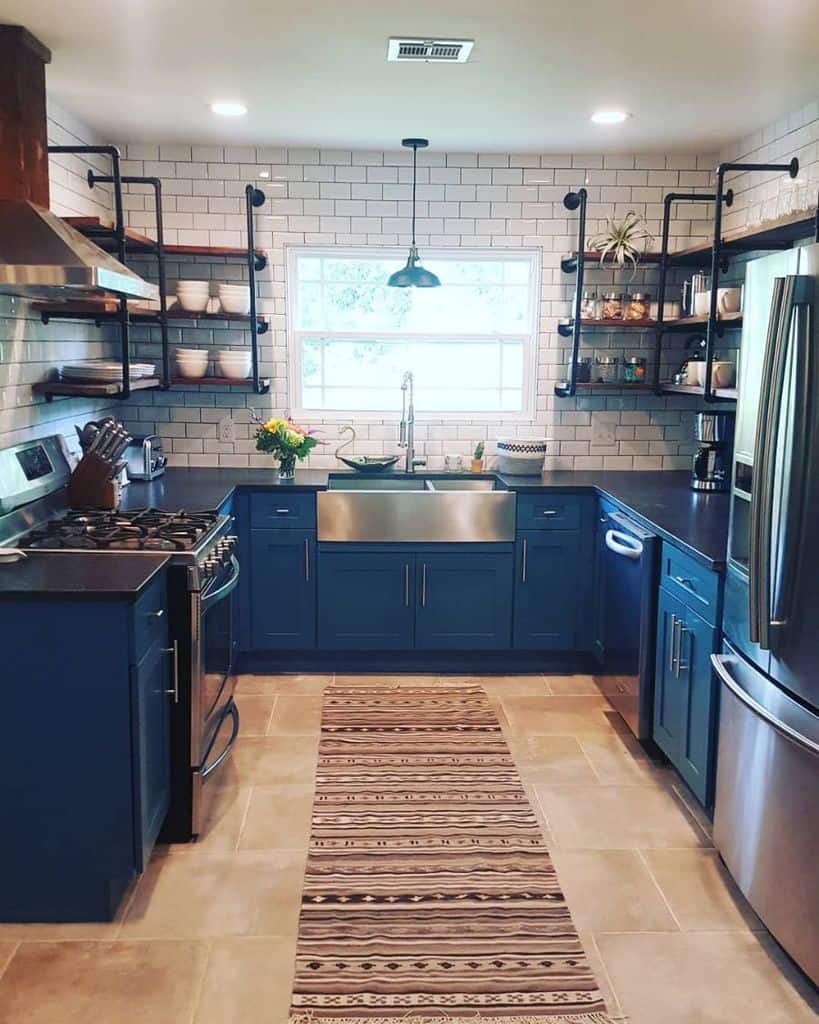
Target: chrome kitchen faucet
<point>406,434</point>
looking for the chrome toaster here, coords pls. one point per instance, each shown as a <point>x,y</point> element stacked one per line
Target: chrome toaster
<point>144,458</point>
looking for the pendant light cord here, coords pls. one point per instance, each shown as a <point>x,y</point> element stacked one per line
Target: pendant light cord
<point>414,176</point>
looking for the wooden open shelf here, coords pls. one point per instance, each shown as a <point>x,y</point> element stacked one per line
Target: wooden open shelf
<point>727,394</point>
<point>108,309</point>
<point>264,382</point>
<point>102,232</point>
<point>681,324</point>
<point>76,389</point>
<point>617,386</point>
<point>684,323</point>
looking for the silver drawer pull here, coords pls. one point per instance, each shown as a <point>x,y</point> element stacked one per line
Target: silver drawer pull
<point>683,581</point>
<point>174,691</point>
<point>282,511</point>
<point>157,614</point>
<point>550,512</point>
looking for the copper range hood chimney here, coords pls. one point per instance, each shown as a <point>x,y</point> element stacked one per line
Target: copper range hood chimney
<point>41,256</point>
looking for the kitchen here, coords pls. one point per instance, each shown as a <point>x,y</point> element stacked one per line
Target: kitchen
<point>570,539</point>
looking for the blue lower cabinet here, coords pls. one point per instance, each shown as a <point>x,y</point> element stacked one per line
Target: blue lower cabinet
<point>685,693</point>
<point>463,600</point>
<point>151,687</point>
<point>282,594</point>
<point>549,590</point>
<point>365,600</point>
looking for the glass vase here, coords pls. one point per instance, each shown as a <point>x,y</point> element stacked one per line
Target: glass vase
<point>287,467</point>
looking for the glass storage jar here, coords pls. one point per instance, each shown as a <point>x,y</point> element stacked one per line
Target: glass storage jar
<point>637,306</point>
<point>634,370</point>
<point>607,369</point>
<point>583,370</point>
<point>611,306</point>
<point>588,306</point>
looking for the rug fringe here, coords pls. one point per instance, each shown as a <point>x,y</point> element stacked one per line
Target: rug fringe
<point>410,1018</point>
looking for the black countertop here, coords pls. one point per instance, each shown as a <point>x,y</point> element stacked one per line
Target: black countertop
<point>661,501</point>
<point>82,574</point>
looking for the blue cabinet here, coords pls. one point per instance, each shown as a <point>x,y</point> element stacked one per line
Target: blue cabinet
<point>685,693</point>
<point>366,599</point>
<point>549,589</point>
<point>151,688</point>
<point>282,589</point>
<point>464,600</point>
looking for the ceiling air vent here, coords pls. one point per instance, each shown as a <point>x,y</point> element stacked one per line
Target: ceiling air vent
<point>444,51</point>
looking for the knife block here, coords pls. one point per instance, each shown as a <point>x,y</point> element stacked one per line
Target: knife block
<point>91,486</point>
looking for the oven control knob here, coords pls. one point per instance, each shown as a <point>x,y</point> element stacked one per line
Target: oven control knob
<point>210,565</point>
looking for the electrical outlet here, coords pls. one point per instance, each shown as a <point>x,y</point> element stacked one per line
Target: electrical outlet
<point>227,435</point>
<point>603,431</point>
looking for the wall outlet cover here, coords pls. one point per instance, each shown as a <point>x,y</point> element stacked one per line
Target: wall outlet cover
<point>227,435</point>
<point>603,431</point>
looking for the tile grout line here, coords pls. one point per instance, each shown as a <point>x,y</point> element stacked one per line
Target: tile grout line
<point>269,723</point>
<point>585,753</point>
<point>200,985</point>
<point>620,1014</point>
<point>641,855</point>
<point>245,815</point>
<point>15,946</point>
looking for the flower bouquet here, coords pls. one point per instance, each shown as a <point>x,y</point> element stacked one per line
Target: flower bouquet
<point>286,441</point>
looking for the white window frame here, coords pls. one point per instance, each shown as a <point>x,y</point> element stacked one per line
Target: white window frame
<point>294,336</point>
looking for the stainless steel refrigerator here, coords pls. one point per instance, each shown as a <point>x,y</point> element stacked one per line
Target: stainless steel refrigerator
<point>766,815</point>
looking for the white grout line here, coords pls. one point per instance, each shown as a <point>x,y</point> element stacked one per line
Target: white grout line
<point>243,822</point>
<point>200,985</point>
<point>659,888</point>
<point>620,1014</point>
<point>4,966</point>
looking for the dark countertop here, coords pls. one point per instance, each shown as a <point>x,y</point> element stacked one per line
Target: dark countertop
<point>661,501</point>
<point>83,574</point>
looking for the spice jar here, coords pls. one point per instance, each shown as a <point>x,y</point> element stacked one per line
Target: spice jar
<point>611,306</point>
<point>583,375</point>
<point>606,369</point>
<point>634,370</point>
<point>588,305</point>
<point>637,306</point>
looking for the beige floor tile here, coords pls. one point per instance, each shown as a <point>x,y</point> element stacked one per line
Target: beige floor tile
<point>291,682</point>
<point>255,711</point>
<point>704,978</point>
<point>572,686</point>
<point>218,895</point>
<point>111,982</point>
<point>564,715</point>
<point>272,760</point>
<point>611,891</point>
<point>278,818</point>
<point>533,685</point>
<point>617,817</point>
<point>388,679</point>
<point>552,759</point>
<point>248,981</point>
<point>295,716</point>
<point>598,968</point>
<point>223,814</point>
<point>700,891</point>
<point>619,760</point>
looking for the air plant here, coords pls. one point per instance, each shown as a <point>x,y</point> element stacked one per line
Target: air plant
<point>623,242</point>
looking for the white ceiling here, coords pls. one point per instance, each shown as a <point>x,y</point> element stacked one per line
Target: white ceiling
<point>695,73</point>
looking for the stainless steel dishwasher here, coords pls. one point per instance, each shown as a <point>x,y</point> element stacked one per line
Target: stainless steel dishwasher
<point>626,591</point>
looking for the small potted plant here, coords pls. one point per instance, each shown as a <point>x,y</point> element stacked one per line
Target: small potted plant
<point>477,458</point>
<point>286,441</point>
<point>623,242</point>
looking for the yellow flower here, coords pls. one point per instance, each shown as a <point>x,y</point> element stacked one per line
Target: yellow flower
<point>294,437</point>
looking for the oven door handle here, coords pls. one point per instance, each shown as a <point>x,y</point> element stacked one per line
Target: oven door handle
<point>216,595</point>
<point>233,711</point>
<point>623,544</point>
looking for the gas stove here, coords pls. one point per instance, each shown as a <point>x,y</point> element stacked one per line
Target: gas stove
<point>142,530</point>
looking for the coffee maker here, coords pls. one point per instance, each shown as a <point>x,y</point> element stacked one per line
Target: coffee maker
<point>714,432</point>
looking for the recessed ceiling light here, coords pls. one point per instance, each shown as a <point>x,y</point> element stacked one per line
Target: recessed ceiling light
<point>228,108</point>
<point>610,116</point>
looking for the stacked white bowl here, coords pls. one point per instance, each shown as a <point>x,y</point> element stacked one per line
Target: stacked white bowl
<point>191,362</point>
<point>234,363</point>
<point>235,298</point>
<point>193,296</point>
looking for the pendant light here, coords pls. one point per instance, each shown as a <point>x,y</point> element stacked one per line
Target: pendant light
<point>413,275</point>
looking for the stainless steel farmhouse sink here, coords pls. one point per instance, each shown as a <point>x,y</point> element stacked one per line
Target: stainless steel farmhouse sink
<point>415,509</point>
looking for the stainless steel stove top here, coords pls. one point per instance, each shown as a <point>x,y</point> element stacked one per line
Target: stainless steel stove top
<point>142,530</point>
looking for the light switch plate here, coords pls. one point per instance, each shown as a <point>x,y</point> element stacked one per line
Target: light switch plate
<point>603,431</point>
<point>227,435</point>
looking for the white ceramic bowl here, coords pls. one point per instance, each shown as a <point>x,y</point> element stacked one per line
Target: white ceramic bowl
<point>193,303</point>
<point>235,299</point>
<point>521,456</point>
<point>191,362</point>
<point>235,365</point>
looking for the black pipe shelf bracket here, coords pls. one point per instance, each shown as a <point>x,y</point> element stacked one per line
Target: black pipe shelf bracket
<point>254,198</point>
<point>574,201</point>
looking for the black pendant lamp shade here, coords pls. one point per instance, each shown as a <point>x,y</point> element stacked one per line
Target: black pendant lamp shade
<point>413,275</point>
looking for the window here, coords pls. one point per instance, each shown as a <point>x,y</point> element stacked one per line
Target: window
<point>470,343</point>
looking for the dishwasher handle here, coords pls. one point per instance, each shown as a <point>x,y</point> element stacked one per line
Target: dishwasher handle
<point>624,544</point>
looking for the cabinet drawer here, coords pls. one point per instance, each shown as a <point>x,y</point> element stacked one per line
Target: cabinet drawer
<point>150,618</point>
<point>691,582</point>
<point>282,510</point>
<point>549,511</point>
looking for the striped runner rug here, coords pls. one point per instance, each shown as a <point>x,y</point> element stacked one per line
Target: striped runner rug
<point>429,892</point>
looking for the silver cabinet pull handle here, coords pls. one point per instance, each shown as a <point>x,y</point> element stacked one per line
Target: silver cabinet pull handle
<point>424,585</point>
<point>550,512</point>
<point>680,666</point>
<point>406,585</point>
<point>683,581</point>
<point>671,642</point>
<point>282,511</point>
<point>157,614</point>
<point>523,561</point>
<point>174,690</point>
<point>307,559</point>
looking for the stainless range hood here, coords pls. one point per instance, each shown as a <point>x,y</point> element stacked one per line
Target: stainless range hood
<point>42,257</point>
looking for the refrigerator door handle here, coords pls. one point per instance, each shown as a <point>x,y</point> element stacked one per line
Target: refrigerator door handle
<point>786,558</point>
<point>760,448</point>
<point>721,664</point>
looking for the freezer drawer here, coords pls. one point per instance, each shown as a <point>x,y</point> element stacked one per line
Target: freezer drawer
<point>766,816</point>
